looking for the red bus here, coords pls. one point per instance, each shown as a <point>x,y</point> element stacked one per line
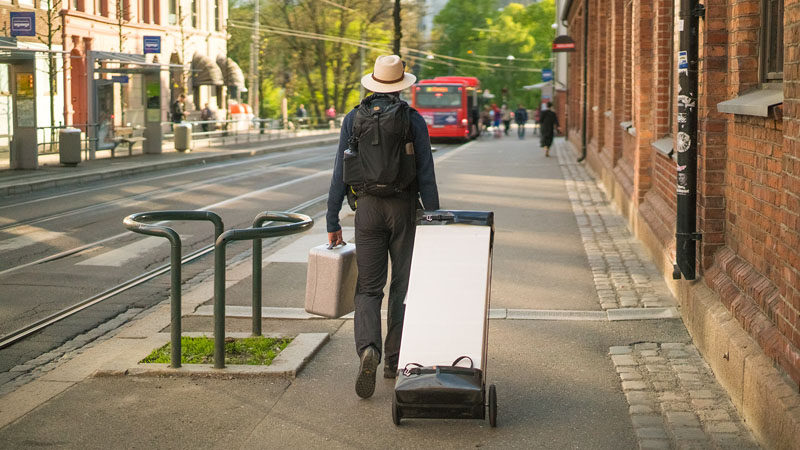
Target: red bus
<point>449,106</point>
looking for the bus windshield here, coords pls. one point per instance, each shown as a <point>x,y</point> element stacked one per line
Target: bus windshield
<point>431,96</point>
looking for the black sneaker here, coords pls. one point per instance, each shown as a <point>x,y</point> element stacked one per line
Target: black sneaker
<point>365,383</point>
<point>389,372</point>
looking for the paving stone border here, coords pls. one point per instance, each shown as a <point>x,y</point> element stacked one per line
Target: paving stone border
<point>623,275</point>
<point>674,399</point>
<point>22,374</point>
<point>289,362</point>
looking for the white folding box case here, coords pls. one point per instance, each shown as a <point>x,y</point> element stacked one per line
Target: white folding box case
<point>331,280</point>
<point>447,305</point>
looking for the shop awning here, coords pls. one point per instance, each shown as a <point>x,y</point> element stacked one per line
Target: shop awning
<point>205,71</point>
<point>231,73</point>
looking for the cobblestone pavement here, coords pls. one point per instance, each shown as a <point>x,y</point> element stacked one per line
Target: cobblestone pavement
<point>675,401</point>
<point>623,275</point>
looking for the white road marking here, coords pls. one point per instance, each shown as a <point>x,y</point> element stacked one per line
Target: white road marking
<point>120,256</point>
<point>27,235</point>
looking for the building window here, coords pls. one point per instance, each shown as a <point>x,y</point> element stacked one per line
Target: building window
<point>216,15</point>
<point>156,12</point>
<point>194,14</point>
<point>145,11</point>
<point>772,40</point>
<point>173,12</point>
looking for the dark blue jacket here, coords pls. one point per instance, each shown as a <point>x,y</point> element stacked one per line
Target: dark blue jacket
<point>426,179</point>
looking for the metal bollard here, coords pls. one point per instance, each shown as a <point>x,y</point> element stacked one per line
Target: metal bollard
<point>298,223</point>
<point>136,223</point>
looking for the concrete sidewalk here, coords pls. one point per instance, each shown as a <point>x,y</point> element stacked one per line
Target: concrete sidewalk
<point>51,174</point>
<point>568,373</point>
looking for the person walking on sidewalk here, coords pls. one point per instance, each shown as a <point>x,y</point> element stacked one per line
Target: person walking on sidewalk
<point>521,117</point>
<point>178,109</point>
<point>505,114</point>
<point>548,122</point>
<point>383,135</point>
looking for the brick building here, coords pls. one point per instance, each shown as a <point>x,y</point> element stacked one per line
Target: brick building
<point>744,309</point>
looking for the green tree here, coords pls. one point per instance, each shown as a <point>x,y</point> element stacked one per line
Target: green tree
<point>311,49</point>
<point>476,31</point>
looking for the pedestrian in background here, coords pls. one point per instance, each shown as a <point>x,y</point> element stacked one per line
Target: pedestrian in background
<point>496,119</point>
<point>178,109</point>
<point>505,114</point>
<point>330,113</point>
<point>385,221</point>
<point>207,115</point>
<point>521,117</point>
<point>486,118</point>
<point>548,122</point>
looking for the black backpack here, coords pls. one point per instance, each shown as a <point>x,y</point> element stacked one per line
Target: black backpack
<point>380,158</point>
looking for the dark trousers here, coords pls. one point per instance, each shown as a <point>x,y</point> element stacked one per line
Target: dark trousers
<point>384,229</point>
<point>521,130</point>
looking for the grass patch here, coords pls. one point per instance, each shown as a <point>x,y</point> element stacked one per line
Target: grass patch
<point>254,351</point>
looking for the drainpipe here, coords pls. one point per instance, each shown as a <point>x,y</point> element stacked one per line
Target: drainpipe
<point>686,217</point>
<point>583,81</point>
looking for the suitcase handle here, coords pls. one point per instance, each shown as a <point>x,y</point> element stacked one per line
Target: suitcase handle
<point>331,246</point>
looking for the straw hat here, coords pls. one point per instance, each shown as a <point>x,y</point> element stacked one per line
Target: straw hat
<point>388,76</point>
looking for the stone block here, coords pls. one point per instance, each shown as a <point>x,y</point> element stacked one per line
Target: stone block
<point>645,421</point>
<point>634,385</point>
<point>689,434</point>
<point>623,360</point>
<point>651,433</point>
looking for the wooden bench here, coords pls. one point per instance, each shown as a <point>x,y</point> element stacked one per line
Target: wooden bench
<point>125,135</point>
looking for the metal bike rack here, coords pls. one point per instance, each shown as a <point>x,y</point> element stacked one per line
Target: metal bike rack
<point>138,224</point>
<point>297,223</point>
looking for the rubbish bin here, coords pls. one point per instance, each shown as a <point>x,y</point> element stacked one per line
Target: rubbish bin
<point>183,137</point>
<point>69,146</point>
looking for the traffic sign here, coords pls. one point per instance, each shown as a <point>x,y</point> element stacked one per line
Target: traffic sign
<point>547,74</point>
<point>152,44</point>
<point>119,79</point>
<point>23,24</point>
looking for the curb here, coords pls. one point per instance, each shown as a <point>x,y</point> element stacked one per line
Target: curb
<point>610,315</point>
<point>287,364</point>
<point>191,159</point>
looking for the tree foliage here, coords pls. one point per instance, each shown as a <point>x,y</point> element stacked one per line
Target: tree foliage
<point>320,70</point>
<point>483,35</point>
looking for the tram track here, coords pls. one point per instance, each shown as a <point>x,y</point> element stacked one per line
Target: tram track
<point>162,193</point>
<point>28,330</point>
<point>40,324</point>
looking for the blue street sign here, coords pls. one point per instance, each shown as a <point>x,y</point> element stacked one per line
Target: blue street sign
<point>152,44</point>
<point>547,74</point>
<point>23,24</point>
<point>119,79</point>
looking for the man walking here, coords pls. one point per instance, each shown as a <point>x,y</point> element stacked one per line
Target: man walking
<point>383,131</point>
<point>177,109</point>
<point>548,121</point>
<point>521,117</point>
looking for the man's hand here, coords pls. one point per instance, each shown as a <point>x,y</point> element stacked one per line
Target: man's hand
<point>335,238</point>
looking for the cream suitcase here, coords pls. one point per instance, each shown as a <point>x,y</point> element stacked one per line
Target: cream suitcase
<point>331,282</point>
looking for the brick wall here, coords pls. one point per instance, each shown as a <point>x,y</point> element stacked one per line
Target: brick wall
<point>748,201</point>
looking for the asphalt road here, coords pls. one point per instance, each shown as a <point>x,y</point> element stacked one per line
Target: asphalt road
<point>61,246</point>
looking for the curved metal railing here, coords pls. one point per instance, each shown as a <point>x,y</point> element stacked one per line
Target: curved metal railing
<point>295,223</point>
<point>138,223</point>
